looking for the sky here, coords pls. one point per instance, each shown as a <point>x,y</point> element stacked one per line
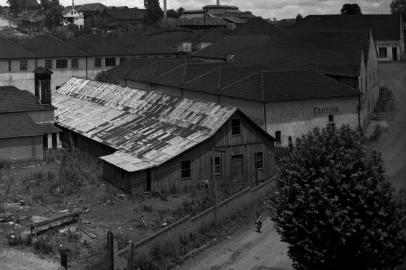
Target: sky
<point>279,9</point>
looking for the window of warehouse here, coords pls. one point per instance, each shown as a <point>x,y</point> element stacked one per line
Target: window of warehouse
<point>383,52</point>
<point>217,166</point>
<point>185,169</point>
<point>235,126</point>
<point>110,61</point>
<point>23,64</point>
<point>75,63</point>
<point>98,62</point>
<point>61,63</point>
<point>259,164</point>
<point>48,63</point>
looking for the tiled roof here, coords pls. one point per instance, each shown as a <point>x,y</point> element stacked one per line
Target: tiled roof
<point>126,14</point>
<point>126,44</point>
<point>18,125</point>
<point>241,82</point>
<point>384,27</point>
<point>50,46</point>
<point>146,128</point>
<point>255,26</point>
<point>232,45</point>
<point>15,100</point>
<point>11,50</point>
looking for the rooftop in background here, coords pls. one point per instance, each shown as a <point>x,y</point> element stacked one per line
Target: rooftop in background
<point>91,7</point>
<point>126,14</point>
<point>12,50</point>
<point>384,27</point>
<point>260,83</point>
<point>231,45</point>
<point>126,44</point>
<point>146,128</point>
<point>50,46</point>
<point>14,100</point>
<point>255,26</point>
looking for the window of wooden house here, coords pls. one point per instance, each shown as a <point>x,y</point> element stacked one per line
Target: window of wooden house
<point>98,62</point>
<point>61,63</point>
<point>383,52</point>
<point>278,137</point>
<point>259,163</point>
<point>75,63</point>
<point>235,126</point>
<point>331,119</point>
<point>9,66</point>
<point>123,59</point>
<point>48,63</point>
<point>185,169</point>
<point>217,166</point>
<point>23,64</point>
<point>110,61</point>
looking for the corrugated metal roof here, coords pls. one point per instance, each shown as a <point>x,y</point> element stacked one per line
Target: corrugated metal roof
<point>146,128</point>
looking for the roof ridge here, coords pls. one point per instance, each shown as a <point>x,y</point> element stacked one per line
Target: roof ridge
<point>201,75</point>
<point>240,80</point>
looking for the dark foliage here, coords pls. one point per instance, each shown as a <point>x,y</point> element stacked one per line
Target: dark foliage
<point>53,13</point>
<point>351,9</point>
<point>154,12</point>
<point>334,206</point>
<point>299,17</point>
<point>398,7</point>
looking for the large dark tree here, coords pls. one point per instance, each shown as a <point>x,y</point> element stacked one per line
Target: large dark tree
<point>53,12</point>
<point>154,11</point>
<point>299,17</point>
<point>335,207</point>
<point>398,7</point>
<point>351,9</point>
<point>16,6</point>
<point>171,13</point>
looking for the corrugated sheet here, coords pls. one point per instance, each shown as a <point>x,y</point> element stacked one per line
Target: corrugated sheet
<point>146,128</point>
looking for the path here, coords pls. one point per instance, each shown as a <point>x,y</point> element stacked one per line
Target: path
<point>246,250</point>
<point>12,259</point>
<point>392,144</point>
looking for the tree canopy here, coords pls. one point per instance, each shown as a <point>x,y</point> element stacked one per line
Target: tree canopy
<point>351,9</point>
<point>53,12</point>
<point>16,6</point>
<point>154,11</point>
<point>299,17</point>
<point>335,207</point>
<point>398,7</point>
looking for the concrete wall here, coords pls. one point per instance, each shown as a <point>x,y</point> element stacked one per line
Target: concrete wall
<point>303,116</point>
<point>183,228</point>
<point>23,148</point>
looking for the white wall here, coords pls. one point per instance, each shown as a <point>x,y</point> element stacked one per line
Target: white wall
<point>296,118</point>
<point>389,45</point>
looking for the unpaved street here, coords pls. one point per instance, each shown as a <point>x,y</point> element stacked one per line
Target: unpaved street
<point>392,144</point>
<point>12,259</point>
<point>246,250</point>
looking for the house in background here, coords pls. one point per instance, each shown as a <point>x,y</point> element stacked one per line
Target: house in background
<point>27,120</point>
<point>150,141</point>
<point>387,30</point>
<point>72,15</point>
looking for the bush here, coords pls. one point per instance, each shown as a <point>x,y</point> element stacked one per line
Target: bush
<point>43,245</point>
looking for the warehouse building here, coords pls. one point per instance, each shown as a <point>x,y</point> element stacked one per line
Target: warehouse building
<point>287,104</point>
<point>150,141</point>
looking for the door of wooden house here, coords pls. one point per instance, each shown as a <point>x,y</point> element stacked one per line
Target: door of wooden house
<point>237,168</point>
<point>394,53</point>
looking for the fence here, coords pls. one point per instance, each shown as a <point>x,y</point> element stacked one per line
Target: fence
<point>192,224</point>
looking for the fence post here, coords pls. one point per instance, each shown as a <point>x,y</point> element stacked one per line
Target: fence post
<point>130,258</point>
<point>110,251</point>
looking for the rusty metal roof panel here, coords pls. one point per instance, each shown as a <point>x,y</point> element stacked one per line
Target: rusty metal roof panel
<point>146,128</point>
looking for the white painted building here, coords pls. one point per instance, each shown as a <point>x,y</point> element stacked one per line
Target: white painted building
<point>73,16</point>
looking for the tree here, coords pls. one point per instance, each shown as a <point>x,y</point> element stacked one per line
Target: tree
<point>53,12</point>
<point>398,7</point>
<point>171,13</point>
<point>299,17</point>
<point>154,11</point>
<point>334,206</point>
<point>17,6</point>
<point>351,9</point>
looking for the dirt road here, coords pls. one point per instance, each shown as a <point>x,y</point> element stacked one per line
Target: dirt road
<point>246,250</point>
<point>392,144</point>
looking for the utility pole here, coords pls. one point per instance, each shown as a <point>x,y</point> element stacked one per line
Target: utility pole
<point>214,185</point>
<point>256,167</point>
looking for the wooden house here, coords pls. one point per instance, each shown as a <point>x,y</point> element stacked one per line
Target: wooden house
<point>150,141</point>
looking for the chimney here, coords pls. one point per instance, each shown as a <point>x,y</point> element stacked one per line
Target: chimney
<point>73,3</point>
<point>218,2</point>
<point>165,9</point>
<point>43,85</point>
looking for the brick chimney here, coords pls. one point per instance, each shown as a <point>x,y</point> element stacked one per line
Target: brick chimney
<point>43,85</point>
<point>165,9</point>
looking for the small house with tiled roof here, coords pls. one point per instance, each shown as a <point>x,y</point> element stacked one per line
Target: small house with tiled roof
<point>149,141</point>
<point>387,30</point>
<point>287,104</point>
<point>27,120</point>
